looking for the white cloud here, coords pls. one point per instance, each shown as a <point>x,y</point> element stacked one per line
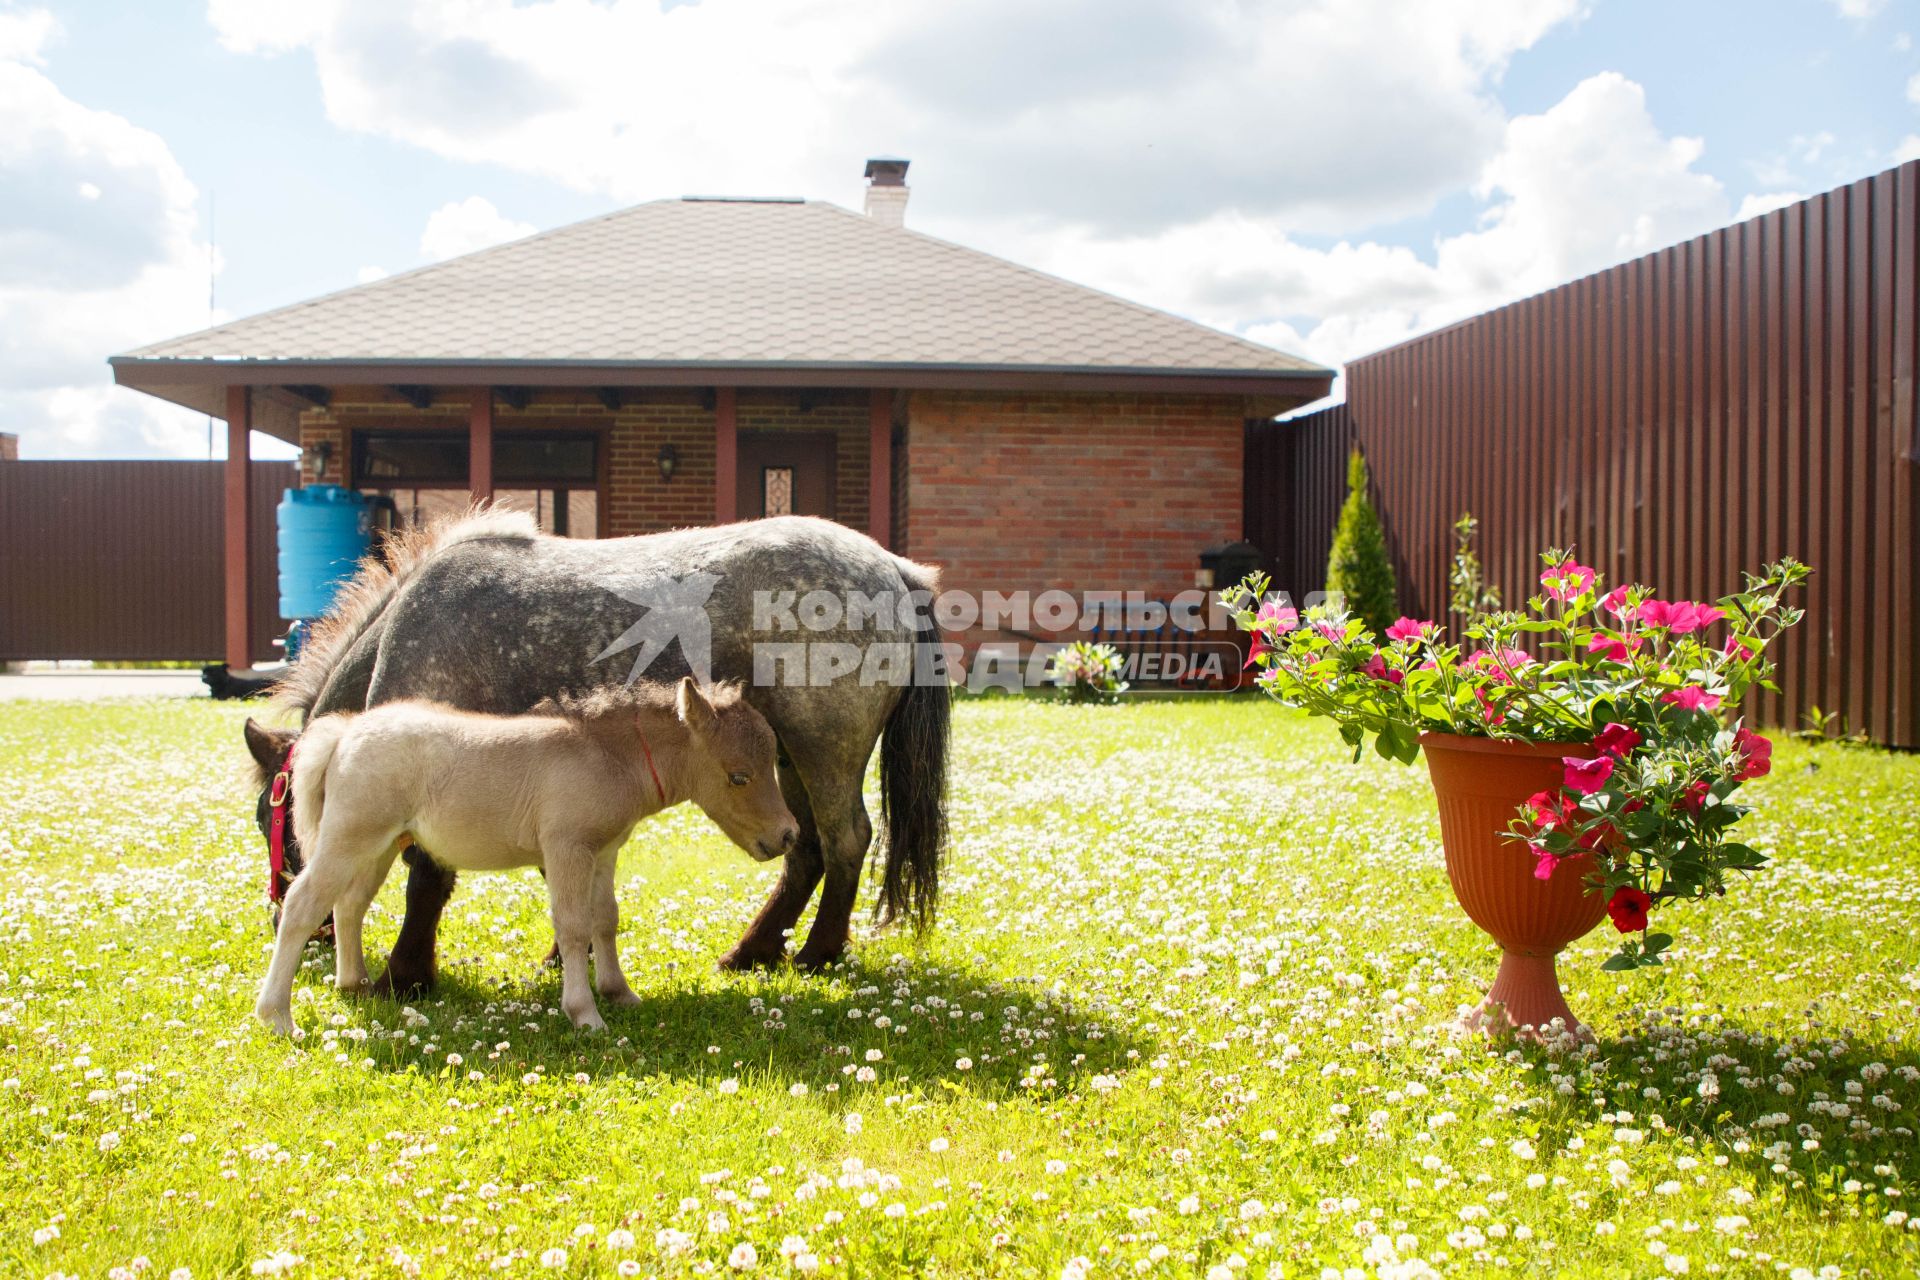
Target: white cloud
<point>367,275</point>
<point>1753,206</point>
<point>98,252</point>
<point>466,225</point>
<point>1913,89</point>
<point>24,33</point>
<point>1120,114</point>
<point>1589,183</point>
<point>1859,10</point>
<point>1909,149</point>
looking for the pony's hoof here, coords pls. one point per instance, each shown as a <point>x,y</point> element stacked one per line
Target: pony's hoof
<point>401,986</point>
<point>623,999</point>
<point>810,961</point>
<point>745,959</point>
<point>591,1023</point>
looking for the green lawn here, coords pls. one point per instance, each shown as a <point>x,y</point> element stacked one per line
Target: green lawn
<point>1187,1010</point>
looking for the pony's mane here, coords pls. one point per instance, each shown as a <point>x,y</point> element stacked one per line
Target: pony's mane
<point>361,600</point>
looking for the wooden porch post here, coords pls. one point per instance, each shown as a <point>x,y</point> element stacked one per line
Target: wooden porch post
<point>239,505</point>
<point>880,467</point>
<point>480,445</point>
<point>726,458</point>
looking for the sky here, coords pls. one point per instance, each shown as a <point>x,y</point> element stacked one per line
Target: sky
<point>1325,176</point>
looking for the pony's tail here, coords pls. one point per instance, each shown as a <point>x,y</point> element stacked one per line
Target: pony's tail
<point>312,755</point>
<point>913,782</point>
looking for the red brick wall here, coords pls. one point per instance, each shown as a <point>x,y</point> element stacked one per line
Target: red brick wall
<point>9,447</point>
<point>1083,492</point>
<point>640,501</point>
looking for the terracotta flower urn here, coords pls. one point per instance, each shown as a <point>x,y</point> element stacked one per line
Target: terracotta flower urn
<point>1480,784</point>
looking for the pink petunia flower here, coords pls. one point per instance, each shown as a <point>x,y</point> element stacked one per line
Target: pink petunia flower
<point>1615,603</point>
<point>1692,697</point>
<point>1584,777</point>
<point>1608,647</point>
<point>1254,650</point>
<point>1544,861</point>
<point>1283,616</point>
<point>1410,629</point>
<point>1566,581</point>
<point>1331,630</point>
<point>1734,649</point>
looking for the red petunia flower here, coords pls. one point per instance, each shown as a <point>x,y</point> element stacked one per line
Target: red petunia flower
<point>1254,650</point>
<point>1584,777</point>
<point>1694,798</point>
<point>1628,907</point>
<point>1616,740</point>
<point>1377,667</point>
<point>1615,603</point>
<point>1755,753</point>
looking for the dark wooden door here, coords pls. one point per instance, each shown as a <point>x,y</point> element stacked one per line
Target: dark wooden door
<point>786,473</point>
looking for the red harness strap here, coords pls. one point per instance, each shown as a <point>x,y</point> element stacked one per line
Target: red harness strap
<point>280,805</point>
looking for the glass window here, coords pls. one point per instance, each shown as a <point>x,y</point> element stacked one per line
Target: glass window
<point>427,458</point>
<point>777,491</point>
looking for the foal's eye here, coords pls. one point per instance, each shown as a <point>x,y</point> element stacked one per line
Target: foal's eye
<point>737,779</point>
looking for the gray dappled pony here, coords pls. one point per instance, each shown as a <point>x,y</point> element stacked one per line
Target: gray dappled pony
<point>487,614</point>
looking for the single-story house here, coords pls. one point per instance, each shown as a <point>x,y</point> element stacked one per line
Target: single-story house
<point>699,360</point>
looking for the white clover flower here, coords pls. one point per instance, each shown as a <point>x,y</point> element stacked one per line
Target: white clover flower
<point>1521,1149</point>
<point>671,1242</point>
<point>937,1145</point>
<point>744,1255</point>
<point>554,1259</point>
<point>619,1238</point>
<point>853,1123</point>
<point>729,1085</point>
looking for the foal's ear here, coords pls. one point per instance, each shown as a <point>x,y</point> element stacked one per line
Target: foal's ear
<point>268,745</point>
<point>692,706</point>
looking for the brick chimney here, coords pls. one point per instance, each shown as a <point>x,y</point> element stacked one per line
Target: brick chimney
<point>887,190</point>
<point>9,447</point>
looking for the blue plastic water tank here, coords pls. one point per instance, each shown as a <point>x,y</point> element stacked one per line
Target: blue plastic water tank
<point>324,530</point>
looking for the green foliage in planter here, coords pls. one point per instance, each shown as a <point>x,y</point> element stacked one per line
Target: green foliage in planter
<point>1358,570</point>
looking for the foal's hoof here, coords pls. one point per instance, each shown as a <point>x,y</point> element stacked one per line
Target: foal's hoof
<point>278,1021</point>
<point>745,959</point>
<point>622,999</point>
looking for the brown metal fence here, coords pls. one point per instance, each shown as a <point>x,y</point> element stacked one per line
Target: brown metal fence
<point>1677,419</point>
<point>122,561</point>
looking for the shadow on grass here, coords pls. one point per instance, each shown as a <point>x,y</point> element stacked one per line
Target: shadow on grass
<point>1698,1073</point>
<point>781,1026</point>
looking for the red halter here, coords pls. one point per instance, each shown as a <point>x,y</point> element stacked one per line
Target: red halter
<point>280,805</point>
<point>647,751</point>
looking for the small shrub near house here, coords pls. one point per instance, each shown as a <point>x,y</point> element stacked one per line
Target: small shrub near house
<point>1358,570</point>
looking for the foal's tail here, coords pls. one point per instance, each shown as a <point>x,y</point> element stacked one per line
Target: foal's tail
<point>311,756</point>
<point>913,775</point>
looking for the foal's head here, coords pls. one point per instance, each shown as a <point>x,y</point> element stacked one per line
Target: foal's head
<point>270,748</point>
<point>731,768</point>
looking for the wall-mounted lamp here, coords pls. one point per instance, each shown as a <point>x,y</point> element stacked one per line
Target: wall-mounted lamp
<point>314,458</point>
<point>669,460</point>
